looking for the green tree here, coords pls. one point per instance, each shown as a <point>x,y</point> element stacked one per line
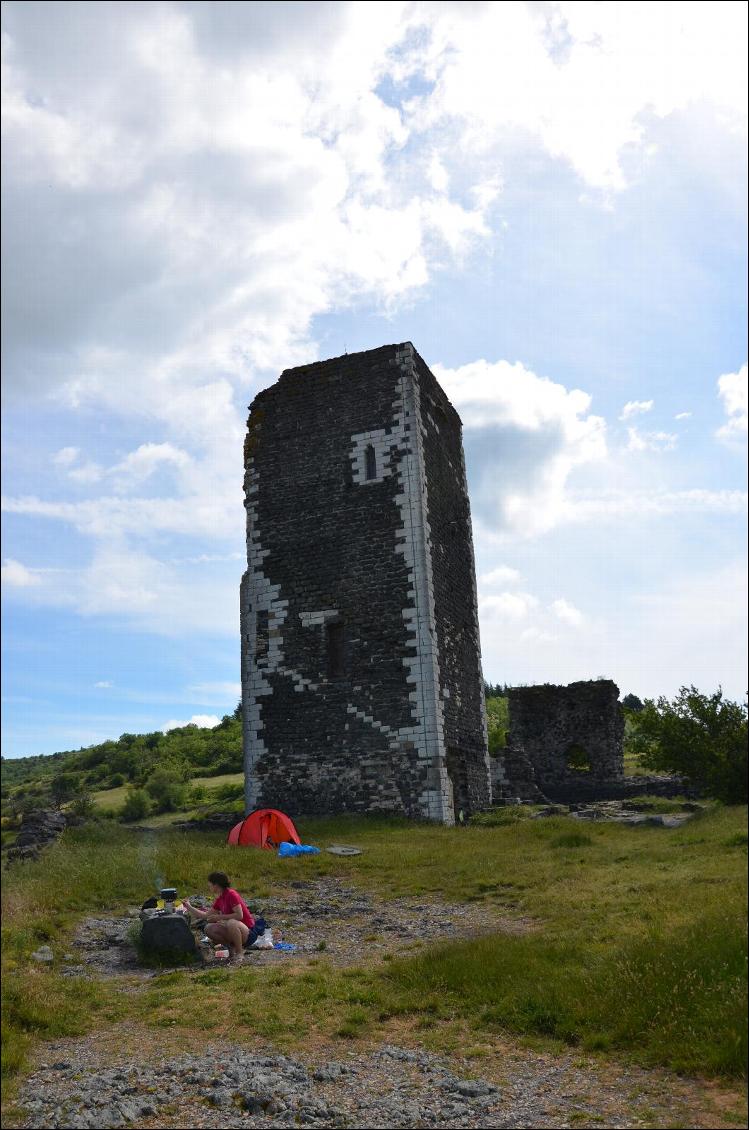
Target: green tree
<point>632,702</point>
<point>167,787</point>
<point>498,723</point>
<point>64,787</point>
<point>703,737</point>
<point>136,806</point>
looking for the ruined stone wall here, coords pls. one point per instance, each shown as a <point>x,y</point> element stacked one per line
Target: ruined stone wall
<point>572,736</point>
<point>340,649</point>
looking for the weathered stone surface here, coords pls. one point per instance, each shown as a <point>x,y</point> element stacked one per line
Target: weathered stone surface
<point>572,736</point>
<point>41,827</point>
<point>514,778</point>
<point>169,933</point>
<point>362,685</point>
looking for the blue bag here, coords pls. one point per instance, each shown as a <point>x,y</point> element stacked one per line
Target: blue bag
<point>286,849</point>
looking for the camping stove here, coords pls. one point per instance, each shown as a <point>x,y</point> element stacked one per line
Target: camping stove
<point>169,895</point>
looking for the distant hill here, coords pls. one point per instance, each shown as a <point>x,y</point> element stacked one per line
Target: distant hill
<point>132,759</point>
<point>18,770</point>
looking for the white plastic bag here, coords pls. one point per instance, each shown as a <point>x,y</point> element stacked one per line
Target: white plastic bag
<point>264,942</point>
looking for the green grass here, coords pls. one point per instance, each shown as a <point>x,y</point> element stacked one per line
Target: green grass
<point>637,946</point>
<point>659,804</point>
<point>633,766</point>
<point>674,995</point>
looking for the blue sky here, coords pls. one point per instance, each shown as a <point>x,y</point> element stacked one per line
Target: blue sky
<point>547,199</point>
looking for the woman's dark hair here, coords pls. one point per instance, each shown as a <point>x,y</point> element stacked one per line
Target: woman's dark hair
<point>219,878</point>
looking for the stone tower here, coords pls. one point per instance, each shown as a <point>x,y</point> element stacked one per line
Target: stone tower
<point>361,671</point>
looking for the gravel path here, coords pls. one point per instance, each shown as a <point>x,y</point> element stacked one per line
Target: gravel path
<point>81,1084</point>
<point>315,916</point>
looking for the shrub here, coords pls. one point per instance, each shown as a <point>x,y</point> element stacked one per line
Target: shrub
<point>82,807</point>
<point>136,806</point>
<point>227,793</point>
<point>703,737</point>
<point>116,781</point>
<point>197,795</point>
<point>167,788</point>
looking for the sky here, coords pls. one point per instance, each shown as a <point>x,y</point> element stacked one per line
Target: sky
<point>547,199</point>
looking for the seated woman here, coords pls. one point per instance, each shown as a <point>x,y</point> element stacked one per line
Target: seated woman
<point>229,920</point>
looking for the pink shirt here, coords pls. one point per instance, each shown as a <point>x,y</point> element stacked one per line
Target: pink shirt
<point>226,902</point>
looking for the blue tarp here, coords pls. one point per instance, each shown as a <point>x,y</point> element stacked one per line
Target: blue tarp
<point>286,849</point>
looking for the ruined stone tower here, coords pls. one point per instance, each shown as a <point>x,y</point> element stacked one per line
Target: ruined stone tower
<point>361,671</point>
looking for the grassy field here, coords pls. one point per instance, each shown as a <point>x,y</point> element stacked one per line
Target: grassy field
<point>637,947</point>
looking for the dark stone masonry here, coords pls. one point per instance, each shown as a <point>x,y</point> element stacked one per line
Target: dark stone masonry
<point>571,737</point>
<point>361,669</point>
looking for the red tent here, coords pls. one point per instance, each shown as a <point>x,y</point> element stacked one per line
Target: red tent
<point>265,828</point>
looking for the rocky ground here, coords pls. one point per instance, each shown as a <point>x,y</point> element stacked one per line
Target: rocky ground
<point>315,916</point>
<point>79,1084</point>
<point>622,812</point>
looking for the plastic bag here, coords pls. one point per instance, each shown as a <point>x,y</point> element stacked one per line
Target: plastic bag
<point>264,942</point>
<point>286,849</point>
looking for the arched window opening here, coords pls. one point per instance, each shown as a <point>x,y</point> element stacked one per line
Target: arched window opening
<point>370,462</point>
<point>577,759</point>
<point>334,639</point>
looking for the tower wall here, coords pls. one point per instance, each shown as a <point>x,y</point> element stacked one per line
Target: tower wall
<point>344,607</point>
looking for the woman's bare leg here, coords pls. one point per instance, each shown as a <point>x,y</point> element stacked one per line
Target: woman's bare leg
<point>237,934</point>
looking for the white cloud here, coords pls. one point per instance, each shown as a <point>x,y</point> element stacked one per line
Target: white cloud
<point>507,605</point>
<point>66,456</point>
<point>104,683</point>
<point>682,415</point>
<point>86,473</point>
<point>636,408</point>
<point>134,587</point>
<point>204,721</point>
<point>690,629</point>
<point>538,431</point>
<point>732,389</point>
<point>534,634</point>
<point>141,463</point>
<point>650,441</point>
<point>17,576</point>
<point>502,575</point>
<point>567,613</point>
<point>583,80</point>
<point>615,505</point>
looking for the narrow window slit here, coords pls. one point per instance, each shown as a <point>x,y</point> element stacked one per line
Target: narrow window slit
<point>370,462</point>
